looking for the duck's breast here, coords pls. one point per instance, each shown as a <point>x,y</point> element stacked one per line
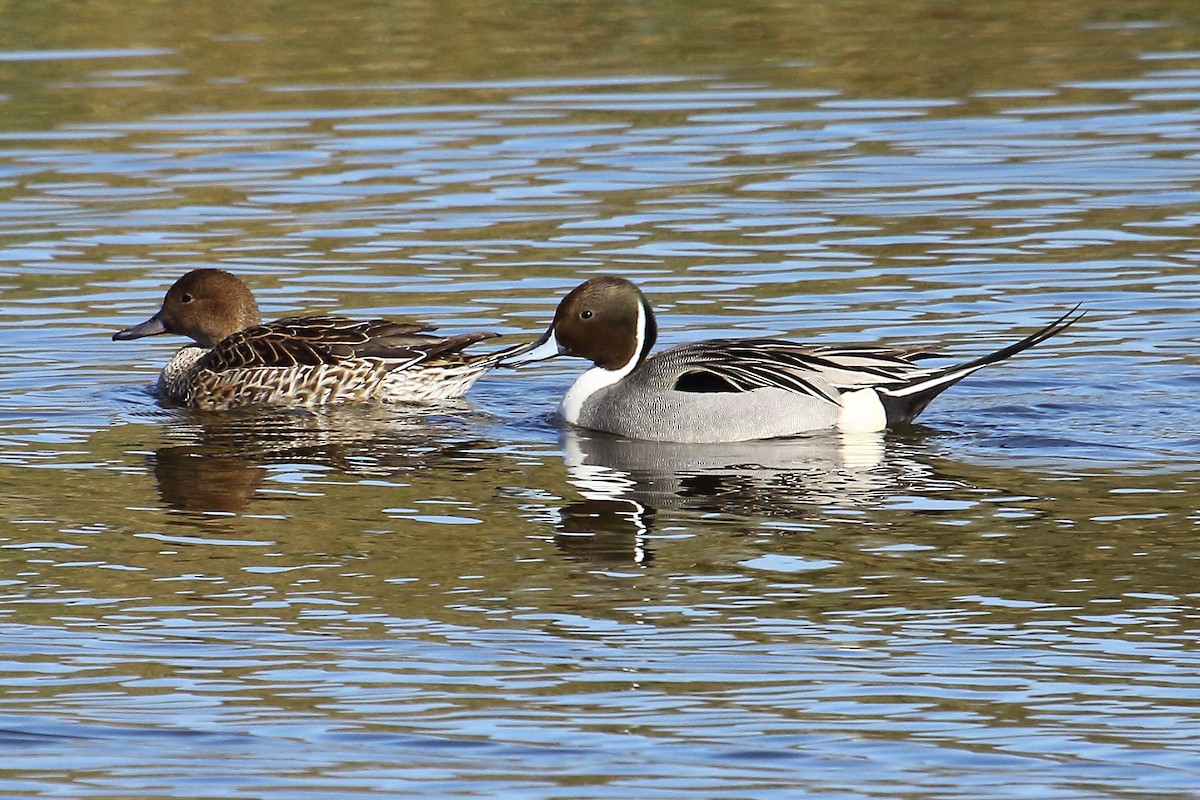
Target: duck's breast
<point>643,410</point>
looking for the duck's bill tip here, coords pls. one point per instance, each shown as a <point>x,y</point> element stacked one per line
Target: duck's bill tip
<point>537,350</point>
<point>151,327</point>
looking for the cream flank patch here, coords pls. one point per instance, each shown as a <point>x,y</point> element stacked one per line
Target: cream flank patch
<point>862,412</point>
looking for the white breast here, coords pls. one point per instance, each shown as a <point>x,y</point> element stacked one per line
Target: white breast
<point>584,387</point>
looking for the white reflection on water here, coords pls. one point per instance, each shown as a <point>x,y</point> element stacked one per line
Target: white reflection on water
<point>820,466</point>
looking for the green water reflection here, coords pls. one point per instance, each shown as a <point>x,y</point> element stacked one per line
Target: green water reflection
<point>401,517</point>
<point>229,55</point>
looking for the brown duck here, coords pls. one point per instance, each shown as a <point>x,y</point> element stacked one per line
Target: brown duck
<point>298,361</point>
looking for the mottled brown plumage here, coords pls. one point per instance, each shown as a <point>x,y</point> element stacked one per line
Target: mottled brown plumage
<point>299,361</point>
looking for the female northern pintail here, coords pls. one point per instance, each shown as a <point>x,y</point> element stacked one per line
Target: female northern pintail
<point>298,361</point>
<point>728,390</point>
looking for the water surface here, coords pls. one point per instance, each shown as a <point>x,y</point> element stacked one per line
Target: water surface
<point>469,600</point>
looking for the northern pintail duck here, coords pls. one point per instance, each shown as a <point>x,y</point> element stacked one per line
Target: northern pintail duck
<point>728,390</point>
<point>299,361</point>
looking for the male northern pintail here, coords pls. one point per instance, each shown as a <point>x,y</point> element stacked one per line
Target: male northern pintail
<point>728,390</point>
<point>298,361</point>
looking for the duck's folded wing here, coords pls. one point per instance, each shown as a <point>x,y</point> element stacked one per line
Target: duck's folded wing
<point>904,387</point>
<point>742,365</point>
<point>310,341</point>
<point>856,367</point>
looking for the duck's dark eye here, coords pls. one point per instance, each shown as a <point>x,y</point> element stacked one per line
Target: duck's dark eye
<point>585,314</point>
<point>187,298</point>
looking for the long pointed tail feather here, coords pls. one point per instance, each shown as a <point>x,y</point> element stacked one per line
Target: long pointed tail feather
<point>904,403</point>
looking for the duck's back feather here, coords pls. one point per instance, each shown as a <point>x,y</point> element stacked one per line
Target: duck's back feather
<point>743,365</point>
<point>312,341</point>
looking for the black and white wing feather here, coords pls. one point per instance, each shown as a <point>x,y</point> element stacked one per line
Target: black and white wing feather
<point>905,387</point>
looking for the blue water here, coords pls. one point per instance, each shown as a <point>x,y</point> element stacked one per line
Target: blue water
<point>472,600</point>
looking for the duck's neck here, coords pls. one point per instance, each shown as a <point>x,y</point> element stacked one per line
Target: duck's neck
<point>598,377</point>
<point>176,376</point>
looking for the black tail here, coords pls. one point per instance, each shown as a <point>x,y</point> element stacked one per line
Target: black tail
<point>902,404</point>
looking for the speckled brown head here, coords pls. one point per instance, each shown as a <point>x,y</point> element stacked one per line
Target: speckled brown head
<point>206,305</point>
<point>606,320</point>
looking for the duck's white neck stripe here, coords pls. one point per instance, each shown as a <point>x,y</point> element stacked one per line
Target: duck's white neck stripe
<point>597,377</point>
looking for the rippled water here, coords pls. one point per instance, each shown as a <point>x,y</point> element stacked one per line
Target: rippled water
<point>468,600</point>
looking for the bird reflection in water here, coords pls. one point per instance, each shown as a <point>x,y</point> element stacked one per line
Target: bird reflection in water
<point>205,478</point>
<point>604,531</point>
<point>218,462</point>
<point>624,482</point>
